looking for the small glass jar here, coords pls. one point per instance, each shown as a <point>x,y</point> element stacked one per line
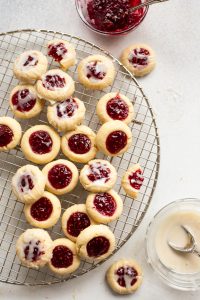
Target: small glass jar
<point>99,26</point>
<point>185,282</point>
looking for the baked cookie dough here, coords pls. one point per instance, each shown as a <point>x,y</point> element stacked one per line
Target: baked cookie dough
<point>104,207</point>
<point>139,59</point>
<point>98,176</point>
<point>61,176</point>
<point>124,276</point>
<point>30,65</point>
<point>34,248</point>
<point>24,102</point>
<point>114,138</point>
<point>95,243</point>
<point>115,106</point>
<point>79,145</point>
<point>74,220</point>
<point>10,133</point>
<point>28,184</point>
<point>44,212</point>
<point>96,72</point>
<point>40,144</point>
<point>64,259</point>
<point>66,115</point>
<point>55,85</point>
<point>133,180</point>
<point>62,52</point>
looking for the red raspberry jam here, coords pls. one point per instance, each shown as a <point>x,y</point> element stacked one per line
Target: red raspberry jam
<point>57,51</point>
<point>66,108</point>
<point>42,209</point>
<point>105,204</point>
<point>60,176</point>
<point>95,70</point>
<point>77,222</point>
<point>136,179</point>
<point>126,276</point>
<point>23,100</point>
<point>98,246</point>
<point>52,82</point>
<point>6,135</point>
<point>62,257</point>
<point>79,143</point>
<point>139,57</point>
<point>117,109</point>
<point>99,171</point>
<point>32,251</point>
<point>26,183</point>
<point>114,15</point>
<point>116,141</point>
<point>31,61</point>
<point>40,142</point>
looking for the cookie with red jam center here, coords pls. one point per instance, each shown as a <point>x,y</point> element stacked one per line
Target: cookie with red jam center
<point>10,133</point>
<point>132,180</point>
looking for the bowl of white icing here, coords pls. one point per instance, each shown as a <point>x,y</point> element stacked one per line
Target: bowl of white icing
<point>178,270</point>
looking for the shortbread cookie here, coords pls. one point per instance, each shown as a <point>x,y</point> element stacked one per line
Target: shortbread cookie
<point>133,180</point>
<point>28,184</point>
<point>40,144</point>
<point>74,220</point>
<point>66,115</point>
<point>34,248</point>
<point>30,65</point>
<point>114,138</point>
<point>10,133</point>
<point>55,85</point>
<point>44,212</point>
<point>24,102</point>
<point>64,258</point>
<point>104,207</point>
<point>96,72</point>
<point>124,276</point>
<point>98,176</point>
<point>79,145</point>
<point>62,52</point>
<point>139,59</point>
<point>95,243</point>
<point>61,176</point>
<point>115,106</point>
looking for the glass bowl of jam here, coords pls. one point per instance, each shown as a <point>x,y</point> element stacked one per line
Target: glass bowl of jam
<point>111,17</point>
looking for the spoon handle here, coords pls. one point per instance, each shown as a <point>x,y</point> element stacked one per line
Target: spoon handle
<point>147,3</point>
<point>195,251</point>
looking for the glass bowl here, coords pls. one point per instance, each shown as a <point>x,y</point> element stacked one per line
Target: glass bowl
<point>81,6</point>
<point>181,281</point>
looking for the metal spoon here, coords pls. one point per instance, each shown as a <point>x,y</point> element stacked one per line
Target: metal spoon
<point>147,3</point>
<point>190,247</point>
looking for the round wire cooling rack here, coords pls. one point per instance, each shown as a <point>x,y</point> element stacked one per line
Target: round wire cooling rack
<point>145,150</point>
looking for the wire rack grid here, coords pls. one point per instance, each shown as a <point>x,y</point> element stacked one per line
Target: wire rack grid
<point>145,150</point>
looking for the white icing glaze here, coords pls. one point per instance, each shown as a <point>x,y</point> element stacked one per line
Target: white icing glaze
<point>33,244</point>
<point>139,180</point>
<point>139,56</point>
<point>24,58</point>
<point>62,107</point>
<point>49,86</point>
<point>95,169</point>
<point>26,189</point>
<point>22,101</point>
<point>128,279</point>
<point>100,67</point>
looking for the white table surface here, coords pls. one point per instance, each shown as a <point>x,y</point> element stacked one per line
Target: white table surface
<point>173,30</point>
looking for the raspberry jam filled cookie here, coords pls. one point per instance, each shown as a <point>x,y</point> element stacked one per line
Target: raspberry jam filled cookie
<point>30,65</point>
<point>74,220</point>
<point>79,145</point>
<point>96,72</point>
<point>62,52</point>
<point>115,106</point>
<point>55,85</point>
<point>114,138</point>
<point>66,115</point>
<point>34,248</point>
<point>61,176</point>
<point>40,144</point>
<point>139,59</point>
<point>64,259</point>
<point>133,180</point>
<point>124,276</point>
<point>44,212</point>
<point>10,133</point>
<point>98,176</point>
<point>104,207</point>
<point>24,102</point>
<point>95,243</point>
